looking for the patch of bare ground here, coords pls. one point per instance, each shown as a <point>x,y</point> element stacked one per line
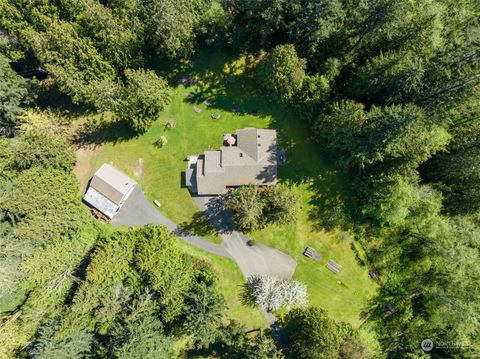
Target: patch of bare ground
<point>85,165</point>
<point>138,171</point>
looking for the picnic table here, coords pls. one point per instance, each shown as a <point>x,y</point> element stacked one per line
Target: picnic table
<point>312,253</point>
<point>334,267</point>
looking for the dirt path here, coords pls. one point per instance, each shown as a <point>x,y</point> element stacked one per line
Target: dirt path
<point>138,171</point>
<point>85,165</point>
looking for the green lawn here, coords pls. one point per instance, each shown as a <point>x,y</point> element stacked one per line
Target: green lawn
<point>343,295</point>
<point>319,186</point>
<point>159,171</point>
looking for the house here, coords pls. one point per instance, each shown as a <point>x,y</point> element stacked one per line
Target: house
<point>108,190</point>
<point>249,156</point>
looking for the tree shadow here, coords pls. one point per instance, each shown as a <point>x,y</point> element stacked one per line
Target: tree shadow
<point>95,134</point>
<point>329,203</point>
<point>306,164</point>
<point>245,295</point>
<point>217,215</point>
<point>269,173</point>
<point>221,83</point>
<point>199,225</point>
<point>222,86</point>
<point>50,97</point>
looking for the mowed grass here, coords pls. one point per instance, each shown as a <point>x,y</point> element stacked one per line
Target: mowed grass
<point>319,187</point>
<point>159,172</point>
<point>344,295</point>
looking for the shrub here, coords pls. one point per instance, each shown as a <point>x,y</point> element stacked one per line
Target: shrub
<point>281,204</point>
<point>253,209</point>
<point>272,294</point>
<point>170,124</point>
<point>162,141</point>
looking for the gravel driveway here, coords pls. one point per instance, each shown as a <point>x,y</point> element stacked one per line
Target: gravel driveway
<point>252,260</point>
<point>138,210</point>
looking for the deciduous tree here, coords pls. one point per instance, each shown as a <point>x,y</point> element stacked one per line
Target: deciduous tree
<point>272,294</point>
<point>281,72</point>
<point>142,99</point>
<point>247,208</point>
<point>312,334</point>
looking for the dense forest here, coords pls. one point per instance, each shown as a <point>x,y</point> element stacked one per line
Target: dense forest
<point>389,88</point>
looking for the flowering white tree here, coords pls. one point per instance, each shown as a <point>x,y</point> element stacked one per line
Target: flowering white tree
<point>272,293</point>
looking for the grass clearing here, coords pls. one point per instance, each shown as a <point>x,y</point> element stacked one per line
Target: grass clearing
<point>344,295</point>
<point>159,172</point>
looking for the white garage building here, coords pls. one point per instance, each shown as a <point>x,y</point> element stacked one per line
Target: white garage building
<point>108,190</point>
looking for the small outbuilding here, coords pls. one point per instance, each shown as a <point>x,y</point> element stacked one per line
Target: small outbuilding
<point>108,190</point>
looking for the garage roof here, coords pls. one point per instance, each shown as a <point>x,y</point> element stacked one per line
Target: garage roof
<point>111,183</point>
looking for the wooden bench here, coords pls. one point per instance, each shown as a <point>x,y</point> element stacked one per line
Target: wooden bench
<point>334,267</point>
<point>312,253</point>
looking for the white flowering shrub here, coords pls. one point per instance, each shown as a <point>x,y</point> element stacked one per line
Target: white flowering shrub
<point>271,293</point>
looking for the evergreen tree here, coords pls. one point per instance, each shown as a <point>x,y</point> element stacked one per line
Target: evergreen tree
<point>144,338</point>
<point>455,172</point>
<point>71,59</point>
<point>38,149</point>
<point>204,309</point>
<point>174,25</point>
<point>318,30</point>
<point>15,94</point>
<point>259,24</point>
<point>46,345</point>
<point>35,201</point>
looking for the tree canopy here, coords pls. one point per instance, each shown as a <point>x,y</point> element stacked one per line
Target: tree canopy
<point>389,89</point>
<point>15,93</point>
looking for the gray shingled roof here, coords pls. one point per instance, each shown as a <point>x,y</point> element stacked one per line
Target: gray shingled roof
<point>209,182</point>
<point>253,160</point>
<point>212,162</point>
